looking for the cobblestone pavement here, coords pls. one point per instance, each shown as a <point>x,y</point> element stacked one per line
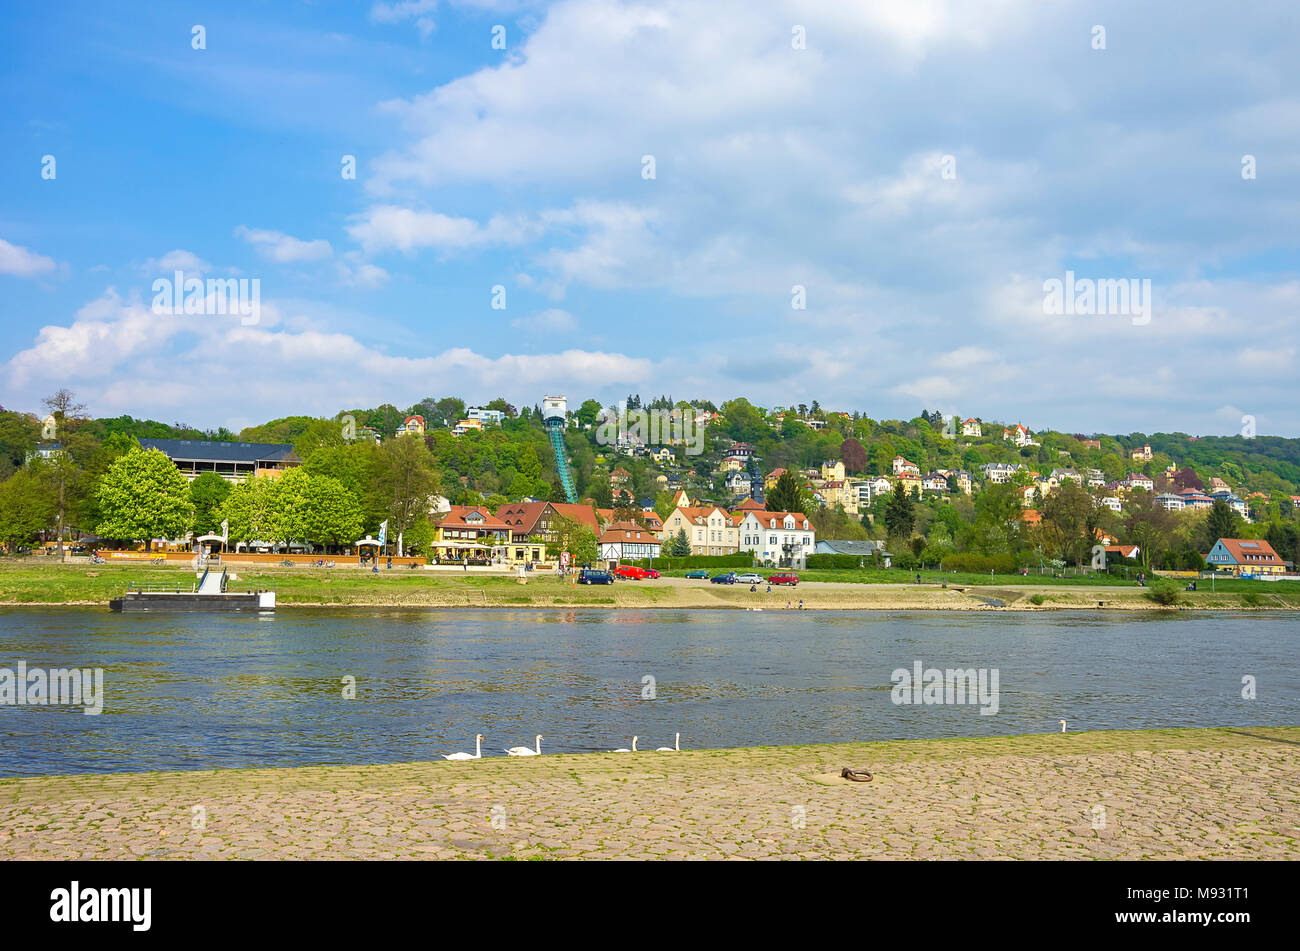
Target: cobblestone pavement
<point>1195,794</point>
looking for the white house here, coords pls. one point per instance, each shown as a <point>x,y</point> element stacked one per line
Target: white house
<point>628,541</point>
<point>999,472</point>
<point>1020,436</point>
<point>779,538</point>
<point>901,465</point>
<point>485,415</point>
<point>971,427</point>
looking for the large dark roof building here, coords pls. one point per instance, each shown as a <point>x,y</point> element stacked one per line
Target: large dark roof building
<point>233,461</point>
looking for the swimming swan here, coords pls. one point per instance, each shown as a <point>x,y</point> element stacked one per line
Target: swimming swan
<point>525,751</point>
<point>478,751</point>
<point>624,749</point>
<point>675,748</point>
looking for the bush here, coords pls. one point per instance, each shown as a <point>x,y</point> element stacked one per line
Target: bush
<point>1165,593</point>
<point>1036,599</point>
<point>981,564</point>
<point>1252,599</point>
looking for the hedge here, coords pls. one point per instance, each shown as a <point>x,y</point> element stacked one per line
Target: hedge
<point>841,561</point>
<point>739,560</point>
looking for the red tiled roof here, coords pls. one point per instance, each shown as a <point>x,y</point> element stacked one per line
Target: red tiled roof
<point>1261,553</point>
<point>765,518</point>
<point>455,517</point>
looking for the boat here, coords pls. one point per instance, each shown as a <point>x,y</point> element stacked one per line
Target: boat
<point>209,594</point>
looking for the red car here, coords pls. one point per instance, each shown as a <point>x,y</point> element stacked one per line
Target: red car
<point>651,572</point>
<point>789,579</point>
<point>630,571</point>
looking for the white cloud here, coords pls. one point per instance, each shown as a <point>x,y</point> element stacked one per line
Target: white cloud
<point>284,248</point>
<point>550,321</point>
<point>20,262</point>
<point>178,260</point>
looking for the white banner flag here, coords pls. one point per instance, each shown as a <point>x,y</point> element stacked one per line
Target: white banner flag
<point>383,532</point>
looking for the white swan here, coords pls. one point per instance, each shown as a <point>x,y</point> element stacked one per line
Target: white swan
<point>624,749</point>
<point>525,751</point>
<point>675,748</point>
<point>478,750</point>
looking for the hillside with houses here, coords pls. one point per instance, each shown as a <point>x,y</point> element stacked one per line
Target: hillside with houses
<point>780,483</point>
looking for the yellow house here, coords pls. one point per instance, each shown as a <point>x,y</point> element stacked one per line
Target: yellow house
<point>711,531</point>
<point>833,471</point>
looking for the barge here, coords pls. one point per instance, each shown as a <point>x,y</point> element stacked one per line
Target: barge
<point>208,595</point>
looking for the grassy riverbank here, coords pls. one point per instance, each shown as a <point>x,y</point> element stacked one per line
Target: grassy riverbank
<point>29,581</point>
<point>1180,794</point>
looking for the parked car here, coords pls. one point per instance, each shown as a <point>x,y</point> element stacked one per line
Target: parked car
<point>697,573</point>
<point>750,577</point>
<point>790,579</point>
<point>652,572</point>
<point>729,578</point>
<point>631,572</point>
<point>594,576</point>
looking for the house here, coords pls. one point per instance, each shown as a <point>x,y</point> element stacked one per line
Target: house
<point>1142,455</point>
<point>742,449</point>
<point>865,550</point>
<point>1113,503</point>
<point>901,465</point>
<point>1060,475</point>
<point>233,461</point>
<point>1124,551</point>
<point>769,481</point>
<point>370,434</point>
<point>471,534</point>
<point>628,541</point>
<point>1091,443</point>
<point>1217,485</point>
<point>877,487</point>
<point>738,484</point>
<point>1020,435</point>
<point>411,426</point>
<point>934,482</point>
<point>911,482</point>
<point>833,471</point>
<point>465,425</point>
<point>663,455</point>
<point>999,472</point>
<point>708,528</point>
<point>836,492</point>
<point>619,477</point>
<point>971,427</point>
<point>1094,477</point>
<point>1245,557</point>
<point>778,538</point>
<point>1195,500</point>
<point>1170,502</point>
<point>533,524</point>
<point>1136,480</point>
<point>485,416</point>
<point>1031,517</point>
<point>1233,501</point>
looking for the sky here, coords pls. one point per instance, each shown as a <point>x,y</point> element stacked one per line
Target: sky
<point>857,203</point>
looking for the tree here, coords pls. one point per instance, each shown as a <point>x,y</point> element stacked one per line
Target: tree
<point>26,507</point>
<point>332,516</point>
<point>1222,522</point>
<point>1071,511</point>
<point>207,493</point>
<point>406,480</point>
<point>787,495</point>
<point>250,510</point>
<point>854,455</point>
<point>143,495</point>
<point>900,513</point>
<point>575,538</point>
<point>680,545</point>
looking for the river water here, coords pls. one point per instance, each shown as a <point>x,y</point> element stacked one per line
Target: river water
<point>200,692</point>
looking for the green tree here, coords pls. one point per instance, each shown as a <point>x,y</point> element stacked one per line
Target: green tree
<point>680,545</point>
<point>143,496</point>
<point>208,492</point>
<point>26,507</point>
<point>787,495</point>
<point>900,513</point>
<point>1222,522</point>
<point>406,480</point>
<point>250,510</point>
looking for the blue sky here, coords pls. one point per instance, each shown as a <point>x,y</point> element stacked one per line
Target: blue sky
<point>775,166</point>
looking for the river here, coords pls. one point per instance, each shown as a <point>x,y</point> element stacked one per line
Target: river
<point>194,691</point>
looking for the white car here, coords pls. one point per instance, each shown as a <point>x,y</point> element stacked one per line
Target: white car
<point>749,578</point>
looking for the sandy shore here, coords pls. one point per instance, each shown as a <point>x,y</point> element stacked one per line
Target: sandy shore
<point>1194,794</point>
